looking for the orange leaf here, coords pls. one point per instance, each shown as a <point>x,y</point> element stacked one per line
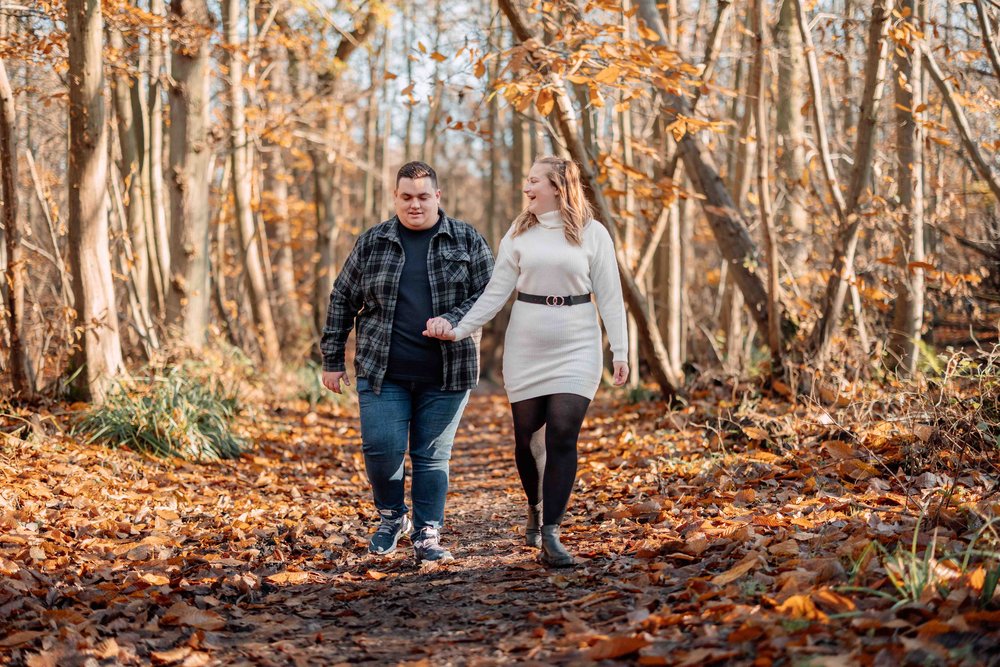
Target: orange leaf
<point>801,606</point>
<point>839,449</point>
<point>608,74</point>
<point>288,577</point>
<point>751,561</point>
<point>184,614</point>
<point>376,575</point>
<point>616,647</point>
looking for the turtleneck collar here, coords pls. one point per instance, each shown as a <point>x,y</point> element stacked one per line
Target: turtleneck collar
<point>550,220</point>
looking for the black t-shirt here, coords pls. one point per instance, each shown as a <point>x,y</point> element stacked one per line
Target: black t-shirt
<point>414,357</point>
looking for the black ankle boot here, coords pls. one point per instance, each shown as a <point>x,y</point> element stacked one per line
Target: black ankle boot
<point>533,530</point>
<point>553,552</point>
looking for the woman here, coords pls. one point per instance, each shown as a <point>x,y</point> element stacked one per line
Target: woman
<point>556,256</point>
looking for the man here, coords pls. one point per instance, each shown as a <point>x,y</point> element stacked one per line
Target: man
<point>411,389</point>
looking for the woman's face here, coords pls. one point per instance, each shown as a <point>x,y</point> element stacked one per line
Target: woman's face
<point>542,196</point>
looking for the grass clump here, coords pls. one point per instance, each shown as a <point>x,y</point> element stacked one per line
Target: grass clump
<point>167,415</point>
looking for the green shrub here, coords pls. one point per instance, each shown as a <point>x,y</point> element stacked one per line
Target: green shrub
<point>167,415</point>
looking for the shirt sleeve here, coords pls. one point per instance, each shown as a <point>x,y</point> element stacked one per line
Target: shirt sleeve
<point>493,298</point>
<point>345,303</point>
<point>608,290</point>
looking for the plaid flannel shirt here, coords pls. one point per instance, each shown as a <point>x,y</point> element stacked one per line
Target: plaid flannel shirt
<point>364,296</point>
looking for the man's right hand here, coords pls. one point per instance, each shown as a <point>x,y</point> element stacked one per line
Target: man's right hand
<point>331,380</point>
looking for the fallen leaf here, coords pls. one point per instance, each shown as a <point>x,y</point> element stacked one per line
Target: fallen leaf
<point>287,577</point>
<point>184,614</point>
<point>751,561</point>
<point>615,647</point>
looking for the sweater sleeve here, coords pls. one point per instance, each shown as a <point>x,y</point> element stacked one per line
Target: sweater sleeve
<point>498,290</point>
<point>608,290</point>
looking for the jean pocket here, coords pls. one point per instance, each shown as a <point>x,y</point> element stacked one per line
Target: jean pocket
<point>362,384</point>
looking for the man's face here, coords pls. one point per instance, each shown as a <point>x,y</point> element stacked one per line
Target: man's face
<point>416,203</point>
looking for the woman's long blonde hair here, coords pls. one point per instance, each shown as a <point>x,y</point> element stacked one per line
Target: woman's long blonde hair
<point>564,175</point>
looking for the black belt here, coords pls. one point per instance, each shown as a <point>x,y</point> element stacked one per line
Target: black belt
<point>554,300</point>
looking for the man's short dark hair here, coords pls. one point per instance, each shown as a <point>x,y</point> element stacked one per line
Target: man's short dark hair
<point>415,170</point>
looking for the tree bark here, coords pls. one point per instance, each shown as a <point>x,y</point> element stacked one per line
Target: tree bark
<point>908,317</point>
<point>276,192</point>
<point>19,364</point>
<point>131,143</point>
<point>987,32</point>
<point>159,235</point>
<point>724,216</point>
<point>239,147</point>
<point>793,218</point>
<point>188,299</point>
<point>99,356</point>
<point>759,87</point>
<point>983,168</point>
<point>842,270</point>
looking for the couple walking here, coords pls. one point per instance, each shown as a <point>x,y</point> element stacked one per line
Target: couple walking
<point>418,288</point>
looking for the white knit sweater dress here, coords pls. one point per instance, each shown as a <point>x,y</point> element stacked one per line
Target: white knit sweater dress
<point>553,349</point>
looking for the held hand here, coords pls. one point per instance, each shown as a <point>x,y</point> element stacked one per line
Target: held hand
<point>621,373</point>
<point>438,327</point>
<point>331,380</point>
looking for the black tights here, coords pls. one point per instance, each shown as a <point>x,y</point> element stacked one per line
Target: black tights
<point>547,466</point>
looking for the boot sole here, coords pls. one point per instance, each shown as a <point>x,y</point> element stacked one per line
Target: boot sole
<point>551,562</point>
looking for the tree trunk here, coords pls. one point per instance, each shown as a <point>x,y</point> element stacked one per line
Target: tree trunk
<point>987,33</point>
<point>842,270</point>
<point>276,180</point>
<point>793,218</point>
<point>99,357</point>
<point>131,142</point>
<point>190,153</point>
<point>982,167</point>
<point>759,87</point>
<point>724,217</point>
<point>159,233</point>
<point>19,364</point>
<point>908,316</point>
<point>242,174</point>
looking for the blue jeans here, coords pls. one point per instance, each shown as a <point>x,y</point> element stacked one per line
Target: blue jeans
<point>420,415</point>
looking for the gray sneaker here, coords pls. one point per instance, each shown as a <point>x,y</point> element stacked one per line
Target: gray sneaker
<point>389,531</point>
<point>427,546</point>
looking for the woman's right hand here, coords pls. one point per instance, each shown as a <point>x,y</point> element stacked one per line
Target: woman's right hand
<point>438,327</point>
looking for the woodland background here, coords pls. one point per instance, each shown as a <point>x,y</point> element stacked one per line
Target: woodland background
<point>804,199</point>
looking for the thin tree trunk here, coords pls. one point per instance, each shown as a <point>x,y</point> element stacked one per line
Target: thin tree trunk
<point>242,173</point>
<point>131,142</point>
<point>188,295</point>
<point>908,317</point>
<point>793,218</point>
<point>983,168</point>
<point>763,189</point>
<point>276,181</point>
<point>987,31</point>
<point>842,270</point>
<point>724,217</point>
<point>159,236</point>
<point>22,376</point>
<point>100,355</point>
<point>819,114</point>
